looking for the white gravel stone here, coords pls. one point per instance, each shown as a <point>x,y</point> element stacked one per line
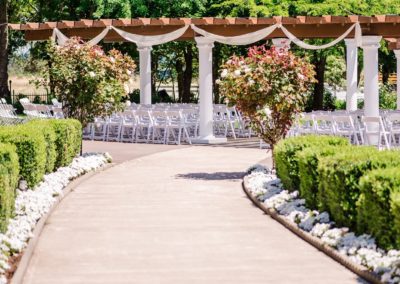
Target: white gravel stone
<point>31,205</point>
<point>266,187</point>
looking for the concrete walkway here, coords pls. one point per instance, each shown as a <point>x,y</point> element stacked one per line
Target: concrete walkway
<point>177,216</point>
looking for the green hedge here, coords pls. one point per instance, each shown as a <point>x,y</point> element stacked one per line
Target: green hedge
<point>339,179</point>
<point>68,140</point>
<point>9,175</point>
<point>378,208</point>
<point>285,156</point>
<point>308,160</point>
<point>31,149</point>
<point>49,135</point>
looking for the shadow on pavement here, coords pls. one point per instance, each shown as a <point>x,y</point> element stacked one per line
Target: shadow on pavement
<point>234,176</point>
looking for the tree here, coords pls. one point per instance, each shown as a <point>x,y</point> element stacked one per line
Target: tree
<point>4,91</point>
<point>269,87</point>
<point>86,80</point>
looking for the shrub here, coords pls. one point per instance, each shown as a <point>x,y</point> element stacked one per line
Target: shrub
<point>285,156</point>
<point>378,207</point>
<point>68,140</point>
<point>9,174</point>
<point>339,180</point>
<point>87,80</point>
<point>31,149</point>
<point>50,138</point>
<point>308,160</point>
<point>269,86</point>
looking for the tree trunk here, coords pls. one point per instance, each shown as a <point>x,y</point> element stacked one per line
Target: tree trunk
<point>179,79</point>
<point>187,74</point>
<point>4,91</point>
<point>318,93</point>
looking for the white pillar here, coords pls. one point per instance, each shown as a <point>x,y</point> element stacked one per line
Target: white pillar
<point>205,47</point>
<point>370,45</point>
<point>145,74</point>
<point>281,43</point>
<point>397,53</point>
<point>351,74</point>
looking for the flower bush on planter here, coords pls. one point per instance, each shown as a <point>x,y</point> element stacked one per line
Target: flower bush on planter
<point>270,87</point>
<point>285,156</point>
<point>86,80</point>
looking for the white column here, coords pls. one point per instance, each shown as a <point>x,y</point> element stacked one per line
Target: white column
<point>205,47</point>
<point>145,74</point>
<point>281,43</point>
<point>397,53</point>
<point>370,45</point>
<point>351,74</point>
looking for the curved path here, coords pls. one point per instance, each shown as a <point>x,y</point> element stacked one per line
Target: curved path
<point>178,216</point>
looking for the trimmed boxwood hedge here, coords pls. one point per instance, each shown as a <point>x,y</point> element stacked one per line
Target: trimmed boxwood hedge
<point>285,156</point>
<point>340,175</point>
<point>68,140</point>
<point>9,175</point>
<point>49,135</point>
<point>308,160</point>
<point>378,208</point>
<point>31,149</point>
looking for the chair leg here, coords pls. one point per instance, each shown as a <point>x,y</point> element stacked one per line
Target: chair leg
<point>179,136</point>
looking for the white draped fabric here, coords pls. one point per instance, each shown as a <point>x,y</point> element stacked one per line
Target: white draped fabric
<point>144,41</point>
<point>302,44</point>
<point>237,40</point>
<point>58,37</point>
<point>98,38</point>
<point>263,33</point>
<point>140,40</point>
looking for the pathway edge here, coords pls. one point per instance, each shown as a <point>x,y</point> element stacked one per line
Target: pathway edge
<point>314,241</point>
<point>27,254</point>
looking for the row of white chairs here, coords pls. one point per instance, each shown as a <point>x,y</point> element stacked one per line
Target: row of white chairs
<point>161,123</point>
<point>8,115</point>
<point>41,111</point>
<point>382,131</point>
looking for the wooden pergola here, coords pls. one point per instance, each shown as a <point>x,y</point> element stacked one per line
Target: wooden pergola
<point>373,29</point>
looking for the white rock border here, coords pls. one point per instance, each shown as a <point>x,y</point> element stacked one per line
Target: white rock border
<point>359,253</point>
<point>32,205</point>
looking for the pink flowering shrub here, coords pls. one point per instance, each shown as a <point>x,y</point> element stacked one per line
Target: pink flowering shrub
<point>269,86</point>
<point>88,81</point>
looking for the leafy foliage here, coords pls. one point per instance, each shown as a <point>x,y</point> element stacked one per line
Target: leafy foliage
<point>285,155</point>
<point>268,86</point>
<point>339,179</point>
<point>9,175</point>
<point>307,161</point>
<point>378,206</point>
<point>31,149</point>
<point>89,82</point>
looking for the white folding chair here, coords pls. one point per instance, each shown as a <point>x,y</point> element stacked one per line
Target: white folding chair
<point>128,127</point>
<point>144,125</point>
<point>393,127</point>
<point>344,126</point>
<point>375,132</point>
